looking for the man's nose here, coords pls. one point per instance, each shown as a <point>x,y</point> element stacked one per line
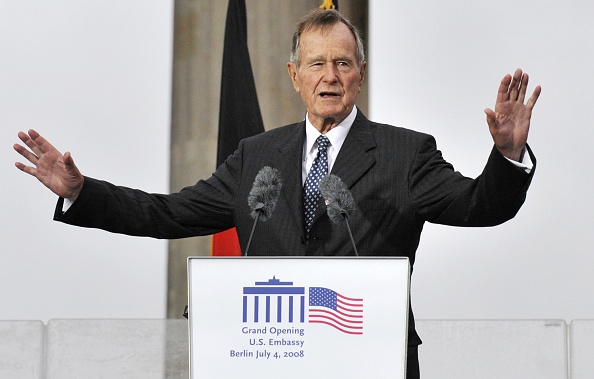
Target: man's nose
<point>330,72</point>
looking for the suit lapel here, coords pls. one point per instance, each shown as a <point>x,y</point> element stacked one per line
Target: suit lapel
<point>353,160</point>
<point>289,163</point>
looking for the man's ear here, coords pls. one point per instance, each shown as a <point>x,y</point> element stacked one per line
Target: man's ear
<point>362,72</point>
<point>292,69</point>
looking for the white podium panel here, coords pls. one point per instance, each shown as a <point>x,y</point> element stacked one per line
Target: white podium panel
<point>493,349</point>
<point>21,349</point>
<point>581,349</point>
<point>298,317</point>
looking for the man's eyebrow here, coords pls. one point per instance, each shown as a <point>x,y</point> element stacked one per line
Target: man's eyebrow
<point>345,58</point>
<point>322,58</point>
<point>317,58</point>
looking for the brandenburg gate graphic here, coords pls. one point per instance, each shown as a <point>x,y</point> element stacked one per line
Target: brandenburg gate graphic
<point>283,302</point>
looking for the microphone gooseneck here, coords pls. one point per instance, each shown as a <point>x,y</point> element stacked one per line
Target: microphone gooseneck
<point>339,202</point>
<point>263,197</point>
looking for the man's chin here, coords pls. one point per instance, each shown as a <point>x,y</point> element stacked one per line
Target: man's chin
<point>335,112</point>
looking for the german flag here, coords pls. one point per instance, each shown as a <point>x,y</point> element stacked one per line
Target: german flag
<point>239,114</point>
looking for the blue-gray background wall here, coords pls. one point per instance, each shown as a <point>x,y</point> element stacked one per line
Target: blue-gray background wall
<point>435,66</point>
<point>95,78</point>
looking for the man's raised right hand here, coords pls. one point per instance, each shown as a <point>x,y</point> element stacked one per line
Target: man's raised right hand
<point>56,171</point>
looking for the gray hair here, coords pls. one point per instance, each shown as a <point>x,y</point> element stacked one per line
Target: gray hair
<point>323,19</point>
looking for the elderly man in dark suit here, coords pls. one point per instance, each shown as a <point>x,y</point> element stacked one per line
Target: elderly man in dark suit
<point>397,177</point>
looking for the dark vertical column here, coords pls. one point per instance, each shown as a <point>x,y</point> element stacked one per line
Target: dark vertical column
<point>199,27</point>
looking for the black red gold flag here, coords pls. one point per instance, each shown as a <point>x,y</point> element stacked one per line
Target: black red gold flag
<point>239,114</point>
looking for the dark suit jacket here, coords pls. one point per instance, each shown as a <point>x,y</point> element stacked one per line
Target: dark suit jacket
<point>397,177</point>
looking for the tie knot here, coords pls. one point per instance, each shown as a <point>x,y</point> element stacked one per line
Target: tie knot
<point>323,143</point>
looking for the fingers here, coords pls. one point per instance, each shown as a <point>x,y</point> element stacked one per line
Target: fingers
<point>532,100</point>
<point>515,84</point>
<point>503,92</point>
<point>38,148</point>
<point>22,167</point>
<point>514,88</point>
<point>491,117</point>
<point>31,155</point>
<point>523,87</point>
<point>42,144</point>
<point>26,154</point>
<point>35,142</point>
<point>69,163</point>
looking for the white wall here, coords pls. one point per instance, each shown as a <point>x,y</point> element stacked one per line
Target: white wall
<point>94,78</point>
<point>434,66</point>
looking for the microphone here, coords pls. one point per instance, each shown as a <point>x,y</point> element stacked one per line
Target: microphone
<point>339,202</point>
<point>263,197</point>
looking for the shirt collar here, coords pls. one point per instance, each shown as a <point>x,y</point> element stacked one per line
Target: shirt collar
<point>336,135</point>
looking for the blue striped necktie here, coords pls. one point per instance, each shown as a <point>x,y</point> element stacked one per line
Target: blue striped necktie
<point>311,190</point>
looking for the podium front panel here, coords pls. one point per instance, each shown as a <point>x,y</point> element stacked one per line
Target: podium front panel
<point>298,317</point>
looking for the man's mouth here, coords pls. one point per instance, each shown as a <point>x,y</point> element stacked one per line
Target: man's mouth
<point>328,94</point>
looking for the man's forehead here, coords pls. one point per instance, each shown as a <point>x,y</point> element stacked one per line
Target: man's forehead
<point>324,30</point>
<point>328,35</point>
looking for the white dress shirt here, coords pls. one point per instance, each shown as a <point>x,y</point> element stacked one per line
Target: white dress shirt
<point>336,135</point>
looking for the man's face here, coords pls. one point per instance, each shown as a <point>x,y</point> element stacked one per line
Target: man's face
<point>328,77</point>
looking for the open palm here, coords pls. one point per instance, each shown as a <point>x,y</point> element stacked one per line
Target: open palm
<point>56,171</point>
<point>509,124</point>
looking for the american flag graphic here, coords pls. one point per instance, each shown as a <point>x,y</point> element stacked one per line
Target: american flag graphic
<point>331,308</point>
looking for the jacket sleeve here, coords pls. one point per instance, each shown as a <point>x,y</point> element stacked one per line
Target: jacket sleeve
<point>444,196</point>
<point>205,208</point>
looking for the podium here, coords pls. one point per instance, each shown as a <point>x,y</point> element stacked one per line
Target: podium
<point>295,317</point>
